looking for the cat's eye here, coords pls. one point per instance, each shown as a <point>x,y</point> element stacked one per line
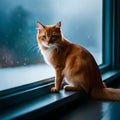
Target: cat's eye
<point>54,36</point>
<point>44,36</point>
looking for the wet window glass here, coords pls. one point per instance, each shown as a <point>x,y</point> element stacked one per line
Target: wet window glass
<point>20,59</point>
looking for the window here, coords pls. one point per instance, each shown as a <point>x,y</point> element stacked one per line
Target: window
<point>20,60</point>
<point>34,99</point>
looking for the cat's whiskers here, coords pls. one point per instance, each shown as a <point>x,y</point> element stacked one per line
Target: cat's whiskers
<point>34,48</point>
<point>45,44</point>
<point>50,45</point>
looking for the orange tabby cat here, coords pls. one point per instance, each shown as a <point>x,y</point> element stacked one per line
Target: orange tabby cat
<point>72,62</point>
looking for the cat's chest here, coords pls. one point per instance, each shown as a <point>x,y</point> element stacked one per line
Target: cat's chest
<point>47,54</point>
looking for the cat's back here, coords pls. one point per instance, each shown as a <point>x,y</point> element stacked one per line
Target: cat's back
<point>80,59</point>
<point>79,51</point>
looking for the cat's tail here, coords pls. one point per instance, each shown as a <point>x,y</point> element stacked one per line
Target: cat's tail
<point>106,94</point>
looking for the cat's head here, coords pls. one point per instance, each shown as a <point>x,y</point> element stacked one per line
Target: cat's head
<point>48,35</point>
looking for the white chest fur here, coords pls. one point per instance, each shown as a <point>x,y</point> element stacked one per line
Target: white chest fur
<point>46,53</point>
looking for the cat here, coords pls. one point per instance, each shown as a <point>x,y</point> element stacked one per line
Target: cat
<point>73,63</point>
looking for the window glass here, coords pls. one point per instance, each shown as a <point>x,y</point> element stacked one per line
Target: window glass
<point>20,59</point>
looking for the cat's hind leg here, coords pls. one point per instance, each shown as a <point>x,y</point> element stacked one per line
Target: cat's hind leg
<point>71,88</point>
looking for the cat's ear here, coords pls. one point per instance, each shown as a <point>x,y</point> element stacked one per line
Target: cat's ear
<point>39,25</point>
<point>58,25</point>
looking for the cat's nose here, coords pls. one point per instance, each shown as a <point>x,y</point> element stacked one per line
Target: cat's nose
<point>48,42</point>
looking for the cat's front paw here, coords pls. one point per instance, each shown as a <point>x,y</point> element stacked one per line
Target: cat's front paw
<point>54,89</point>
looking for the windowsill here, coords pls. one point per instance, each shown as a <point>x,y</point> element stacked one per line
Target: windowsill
<point>49,101</point>
<point>43,104</point>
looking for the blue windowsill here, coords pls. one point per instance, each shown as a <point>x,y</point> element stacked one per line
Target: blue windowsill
<point>49,101</point>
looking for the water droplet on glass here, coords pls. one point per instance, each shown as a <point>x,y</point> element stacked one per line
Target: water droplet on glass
<point>24,64</point>
<point>88,36</point>
<point>17,62</point>
<point>20,30</point>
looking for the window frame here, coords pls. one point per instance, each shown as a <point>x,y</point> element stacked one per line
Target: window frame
<point>108,35</point>
<point>109,70</point>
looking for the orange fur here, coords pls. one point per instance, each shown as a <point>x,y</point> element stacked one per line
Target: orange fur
<point>72,62</point>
